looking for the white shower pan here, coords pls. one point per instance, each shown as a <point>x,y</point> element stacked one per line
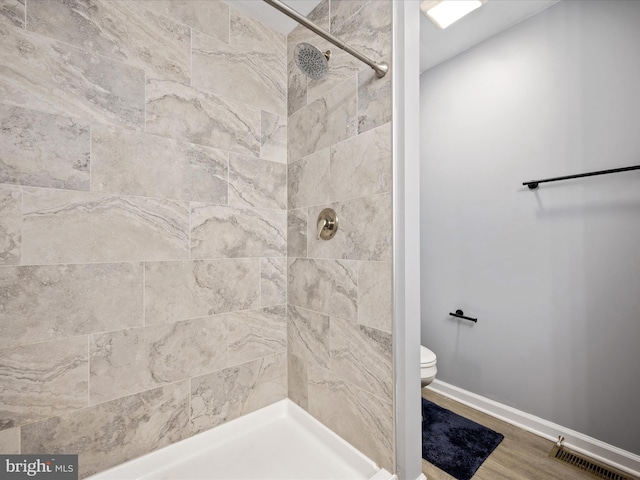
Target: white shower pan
<point>278,442</point>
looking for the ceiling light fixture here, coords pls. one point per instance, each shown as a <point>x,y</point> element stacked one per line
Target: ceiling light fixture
<point>444,12</point>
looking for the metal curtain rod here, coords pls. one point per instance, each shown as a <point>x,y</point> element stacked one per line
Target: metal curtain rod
<point>533,184</point>
<point>381,69</point>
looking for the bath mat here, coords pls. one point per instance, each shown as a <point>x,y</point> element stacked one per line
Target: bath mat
<point>453,443</point>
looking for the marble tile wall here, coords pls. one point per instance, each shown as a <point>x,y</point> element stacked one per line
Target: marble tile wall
<point>143,221</point>
<point>154,216</point>
<point>13,12</point>
<point>10,441</point>
<point>340,344</point>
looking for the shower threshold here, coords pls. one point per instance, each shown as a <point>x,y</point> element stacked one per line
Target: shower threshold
<point>278,442</point>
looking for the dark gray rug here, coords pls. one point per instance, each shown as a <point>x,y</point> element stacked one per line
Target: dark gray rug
<point>453,443</point>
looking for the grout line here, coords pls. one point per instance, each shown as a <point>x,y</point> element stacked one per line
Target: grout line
<point>127,395</point>
<point>194,260</point>
<point>353,199</point>
<point>42,342</point>
<point>137,327</point>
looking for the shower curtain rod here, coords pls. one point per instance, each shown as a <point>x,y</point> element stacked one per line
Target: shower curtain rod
<point>533,184</point>
<point>381,69</point>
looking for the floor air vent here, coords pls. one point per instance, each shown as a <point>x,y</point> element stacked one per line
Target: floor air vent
<point>587,465</point>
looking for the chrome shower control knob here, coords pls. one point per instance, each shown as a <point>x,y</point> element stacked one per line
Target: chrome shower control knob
<point>327,224</point>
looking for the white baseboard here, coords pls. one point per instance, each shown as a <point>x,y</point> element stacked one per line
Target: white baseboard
<point>613,456</point>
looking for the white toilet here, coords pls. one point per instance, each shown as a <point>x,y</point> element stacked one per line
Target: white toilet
<point>428,367</point>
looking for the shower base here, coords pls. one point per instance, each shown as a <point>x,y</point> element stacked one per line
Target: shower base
<point>278,442</point>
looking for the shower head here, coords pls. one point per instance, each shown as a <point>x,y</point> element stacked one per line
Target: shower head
<point>312,61</point>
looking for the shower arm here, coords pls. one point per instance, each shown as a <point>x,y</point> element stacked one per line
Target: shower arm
<point>381,69</point>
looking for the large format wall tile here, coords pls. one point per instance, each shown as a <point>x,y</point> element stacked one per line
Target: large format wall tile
<point>342,10</point>
<point>297,233</point>
<point>10,224</point>
<point>111,433</point>
<point>361,165</point>
<point>13,12</point>
<point>375,295</point>
<point>185,113</point>
<point>219,397</point>
<point>341,65</point>
<point>340,347</point>
<point>256,333</point>
<point>267,50</point>
<point>63,227</point>
<point>297,81</point>
<point>57,301</point>
<point>42,380</point>
<point>325,286</point>
<point>134,163</point>
<point>121,30</point>
<point>326,121</point>
<point>56,78</point>
<point>369,32</point>
<point>43,150</point>
<point>362,356</point>
<point>137,359</point>
<point>308,336</point>
<point>297,388</point>
<point>257,183</point>
<point>310,181</point>
<point>273,281</point>
<point>254,58</point>
<point>181,290</point>
<point>374,100</point>
<point>364,420</point>
<point>273,137</point>
<point>10,441</point>
<point>342,68</point>
<point>364,231</point>
<point>221,231</point>
<point>206,16</point>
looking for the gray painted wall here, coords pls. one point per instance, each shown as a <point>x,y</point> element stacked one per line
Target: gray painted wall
<point>553,275</point>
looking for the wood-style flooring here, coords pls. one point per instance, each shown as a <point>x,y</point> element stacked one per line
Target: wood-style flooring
<point>520,456</point>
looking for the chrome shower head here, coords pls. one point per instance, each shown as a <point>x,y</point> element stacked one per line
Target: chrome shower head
<point>312,61</point>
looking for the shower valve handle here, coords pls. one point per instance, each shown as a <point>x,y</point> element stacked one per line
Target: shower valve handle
<point>321,224</point>
<point>327,224</point>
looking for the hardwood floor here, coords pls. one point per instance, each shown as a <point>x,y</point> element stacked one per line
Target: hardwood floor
<point>520,456</point>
